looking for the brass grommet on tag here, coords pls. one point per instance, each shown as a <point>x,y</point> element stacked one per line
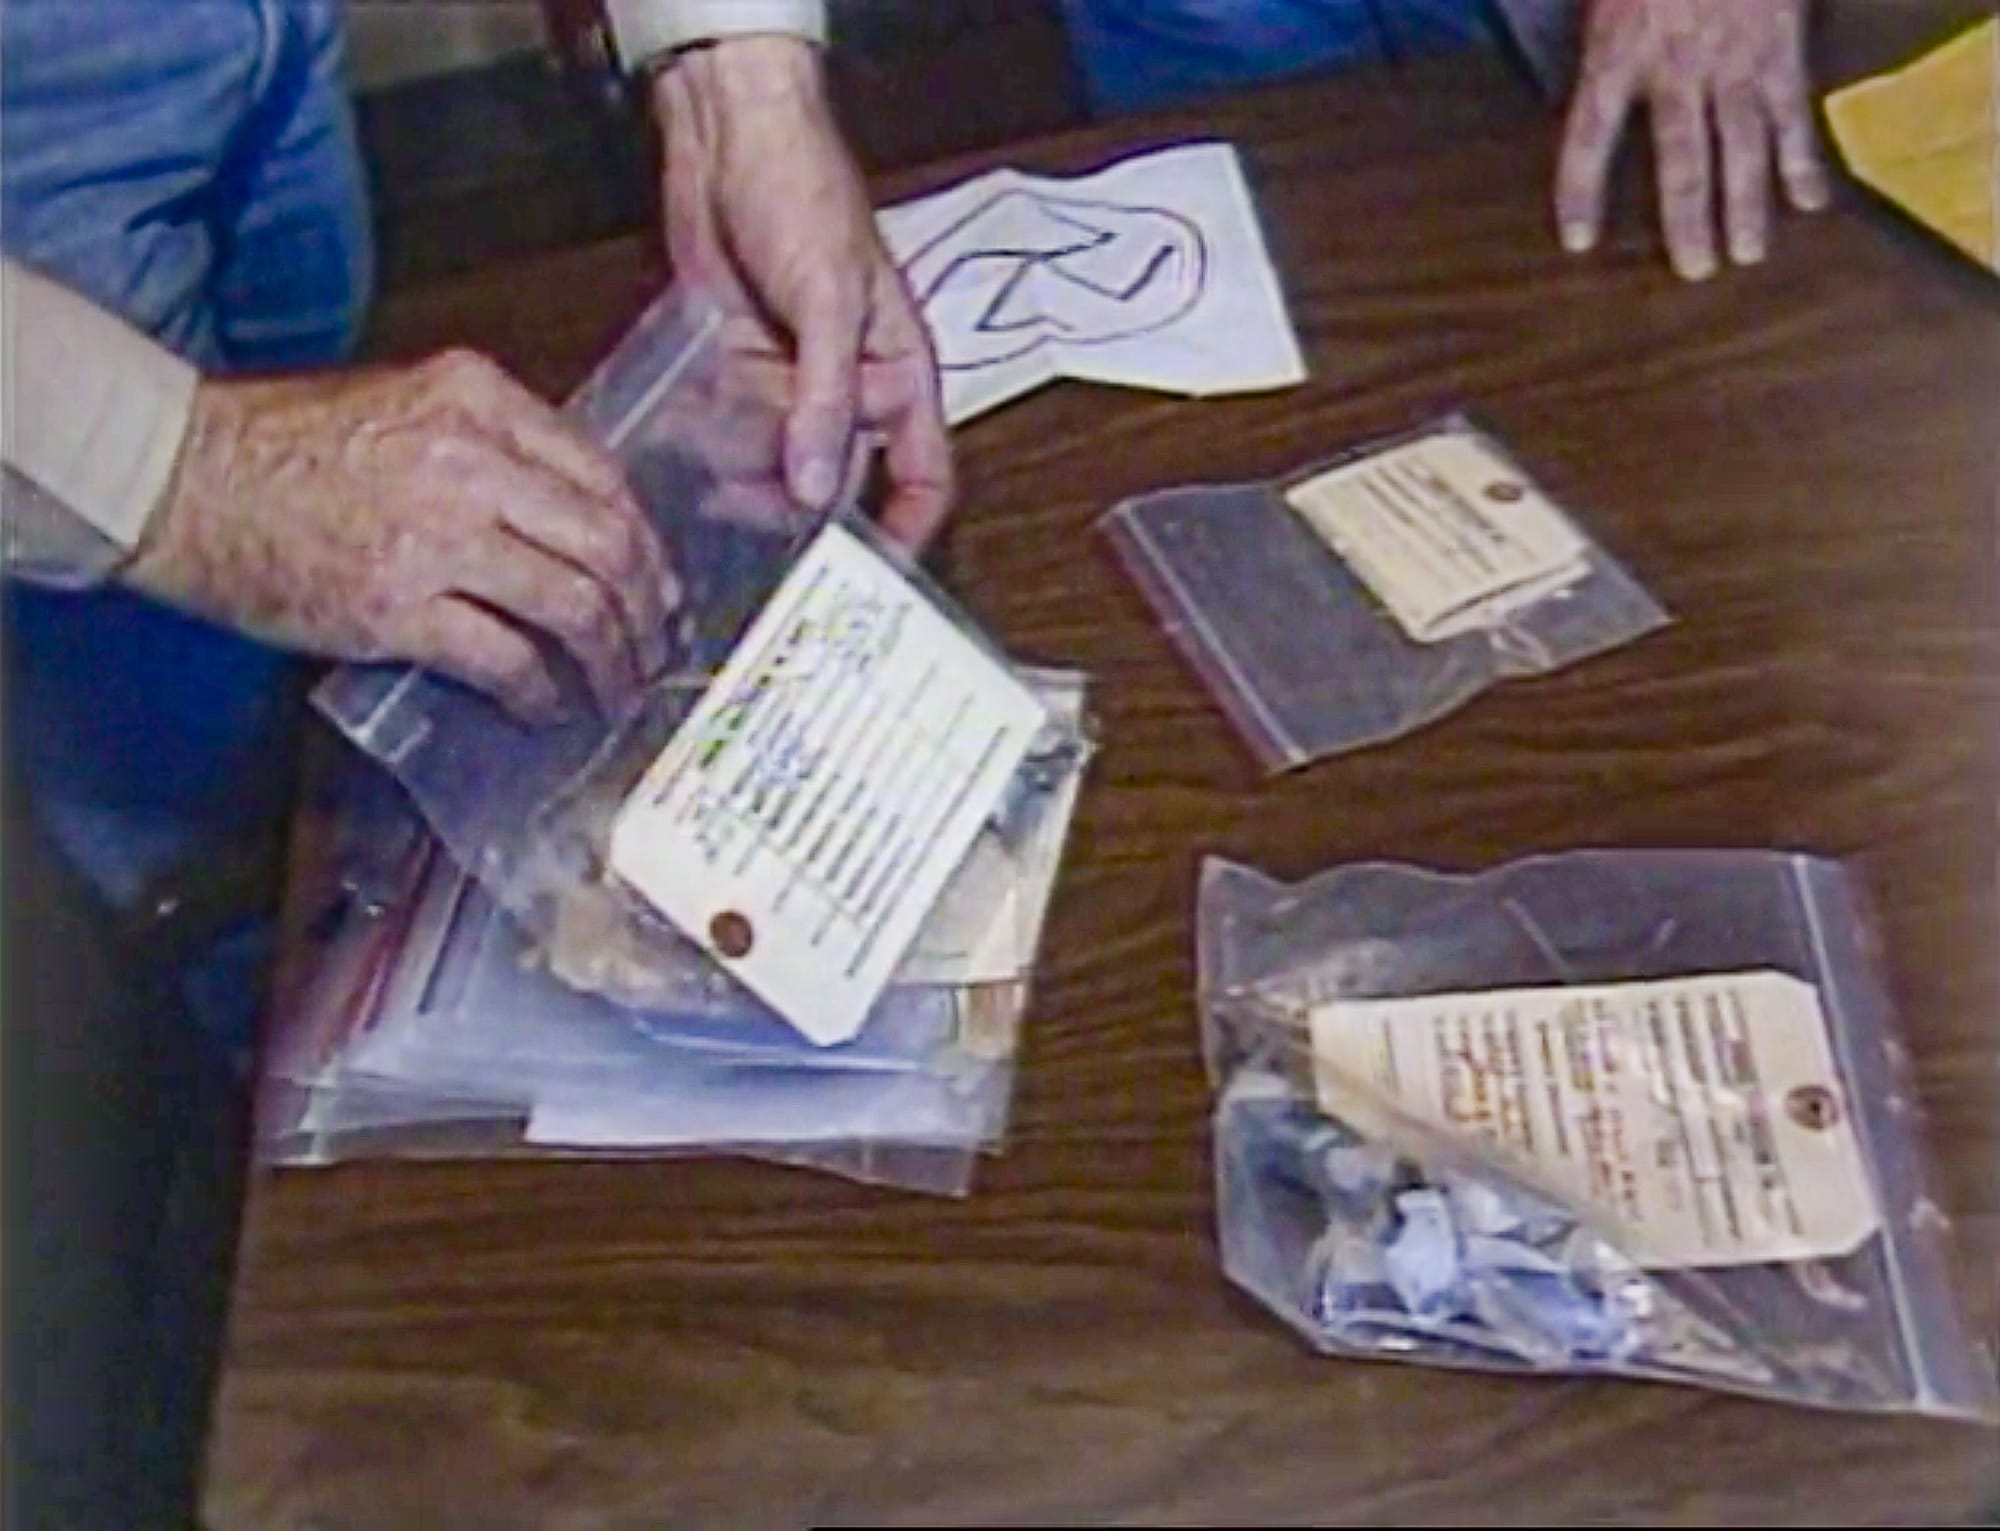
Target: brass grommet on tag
<point>1813,1107</point>
<point>1504,492</point>
<point>731,935</point>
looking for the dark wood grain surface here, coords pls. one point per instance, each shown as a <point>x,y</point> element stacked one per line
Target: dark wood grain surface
<point>1801,461</point>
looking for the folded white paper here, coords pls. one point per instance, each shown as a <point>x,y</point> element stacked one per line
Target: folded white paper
<point>1150,274</point>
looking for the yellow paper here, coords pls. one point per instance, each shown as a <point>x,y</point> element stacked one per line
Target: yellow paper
<point>1927,137</point>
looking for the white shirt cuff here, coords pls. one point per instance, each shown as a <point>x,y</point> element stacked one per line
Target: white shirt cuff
<point>94,411</point>
<point>644,30</point>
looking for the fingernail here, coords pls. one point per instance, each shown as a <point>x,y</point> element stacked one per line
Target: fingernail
<point>1695,268</point>
<point>658,644</point>
<point>819,481</point>
<point>1577,238</point>
<point>1747,250</point>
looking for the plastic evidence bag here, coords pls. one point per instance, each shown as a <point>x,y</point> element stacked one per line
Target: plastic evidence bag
<point>474,1002</point>
<point>382,1058</point>
<point>923,1132</point>
<point>422,1030</point>
<point>609,839</point>
<point>1375,592</point>
<point>1621,1113</point>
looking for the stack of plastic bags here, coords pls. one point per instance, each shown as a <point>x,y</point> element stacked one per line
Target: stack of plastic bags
<point>486,980</point>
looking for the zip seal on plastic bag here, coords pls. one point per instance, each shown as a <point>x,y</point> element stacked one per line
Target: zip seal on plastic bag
<point>1616,1113</point>
<point>1376,591</point>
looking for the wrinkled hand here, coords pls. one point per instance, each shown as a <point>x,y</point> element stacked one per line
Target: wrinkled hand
<point>1727,75</point>
<point>766,213</point>
<point>439,514</point>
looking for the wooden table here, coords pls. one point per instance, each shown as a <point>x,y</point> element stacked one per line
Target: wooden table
<point>1802,463</point>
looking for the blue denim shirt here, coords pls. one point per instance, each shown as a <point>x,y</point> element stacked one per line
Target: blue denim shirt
<point>1136,54</point>
<point>191,166</point>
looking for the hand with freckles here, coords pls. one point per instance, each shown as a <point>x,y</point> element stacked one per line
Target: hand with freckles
<point>438,514</point>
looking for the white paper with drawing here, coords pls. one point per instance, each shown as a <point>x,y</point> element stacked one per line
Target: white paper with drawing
<point>805,819</point>
<point>1151,274</point>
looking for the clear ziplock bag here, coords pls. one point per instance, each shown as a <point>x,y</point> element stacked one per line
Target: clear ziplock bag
<point>1620,1113</point>
<point>1372,593</point>
<point>584,832</point>
<point>379,1054</point>
<point>386,1061</point>
<point>424,1028</point>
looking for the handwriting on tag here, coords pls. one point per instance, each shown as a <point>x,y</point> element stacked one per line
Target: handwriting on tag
<point>803,822</point>
<point>1702,1118</point>
<point>1448,534</point>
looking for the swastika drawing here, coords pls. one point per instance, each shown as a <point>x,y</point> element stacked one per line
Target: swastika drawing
<point>1026,268</point>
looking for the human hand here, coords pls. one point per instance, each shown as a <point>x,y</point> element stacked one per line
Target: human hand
<point>1727,75</point>
<point>766,213</point>
<point>439,514</point>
